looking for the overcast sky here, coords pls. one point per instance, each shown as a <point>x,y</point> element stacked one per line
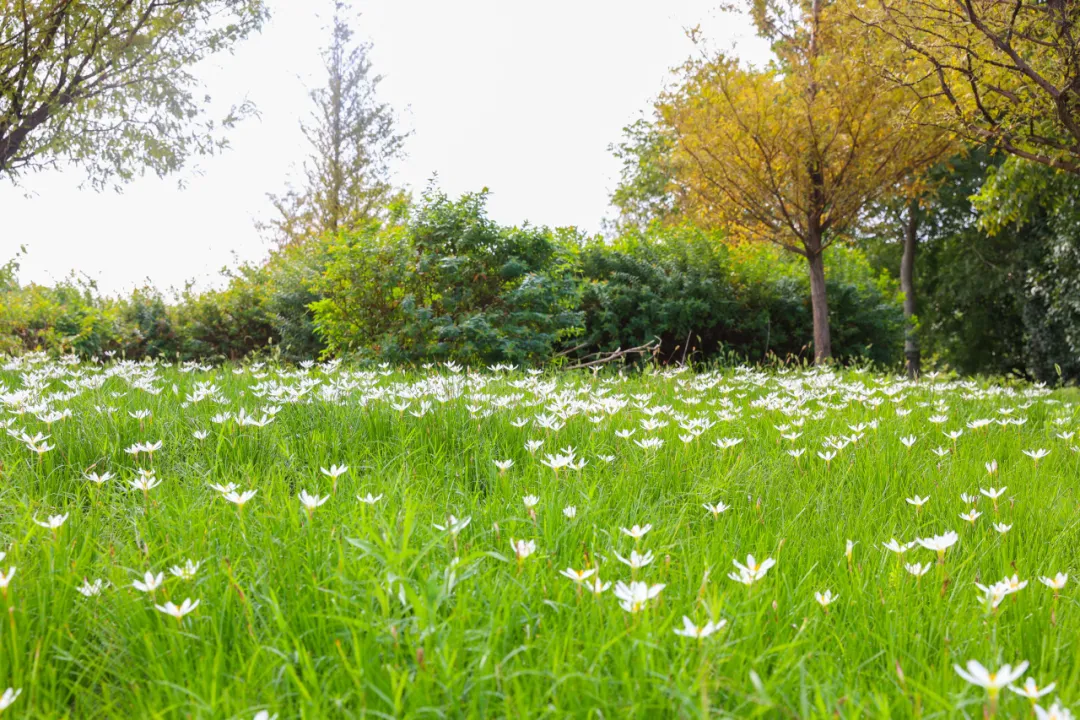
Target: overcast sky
<point>522,98</point>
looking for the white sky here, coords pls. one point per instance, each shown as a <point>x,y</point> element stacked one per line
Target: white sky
<point>522,98</point>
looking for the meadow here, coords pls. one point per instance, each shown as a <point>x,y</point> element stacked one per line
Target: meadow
<point>327,541</point>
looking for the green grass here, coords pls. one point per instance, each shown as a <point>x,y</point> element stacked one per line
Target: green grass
<point>352,613</point>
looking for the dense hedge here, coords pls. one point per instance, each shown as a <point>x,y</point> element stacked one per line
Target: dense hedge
<point>444,282</point>
<point>702,298</point>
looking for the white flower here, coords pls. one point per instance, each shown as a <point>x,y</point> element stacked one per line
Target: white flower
<point>634,597</point>
<point>908,440</point>
<point>636,559</point>
<point>995,593</point>
<point>369,499</point>
<point>570,512</point>
<point>530,501</point>
<point>240,499</point>
<point>717,509</point>
<point>150,582</point>
<point>1031,689</point>
<point>596,586</point>
<point>993,493</point>
<point>1057,582</point>
<point>939,543</point>
<point>10,696</point>
<point>652,443</point>
<point>918,501</point>
<point>1036,455</point>
<point>692,630</point>
<point>826,599</point>
<point>503,465</point>
<point>187,571</point>
<point>523,548</point>
<point>453,525</point>
<point>224,489</point>
<point>90,589</point>
<point>54,522</point>
<point>971,516</point>
<point>309,501</point>
<point>1002,527</point>
<point>578,576</point>
<point>1056,712</point>
<point>752,571</point>
<point>637,532</point>
<point>98,479</point>
<point>145,483</point>
<point>976,674</point>
<point>918,570</point>
<point>334,471</point>
<point>180,611</point>
<point>898,547</point>
<point>557,462</point>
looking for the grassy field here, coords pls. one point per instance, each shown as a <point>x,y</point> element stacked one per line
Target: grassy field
<point>377,603</point>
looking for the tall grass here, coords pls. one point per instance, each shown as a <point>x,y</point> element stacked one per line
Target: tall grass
<point>361,610</point>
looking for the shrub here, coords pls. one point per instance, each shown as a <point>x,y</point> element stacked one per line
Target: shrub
<point>703,299</point>
<point>449,285</point>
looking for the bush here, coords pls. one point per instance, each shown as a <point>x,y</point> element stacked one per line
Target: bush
<point>449,285</point>
<point>442,281</point>
<point>704,299</point>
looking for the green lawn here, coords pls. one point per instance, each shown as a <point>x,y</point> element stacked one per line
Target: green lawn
<point>356,608</point>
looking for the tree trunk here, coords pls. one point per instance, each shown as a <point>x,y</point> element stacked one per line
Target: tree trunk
<point>912,358</point>
<point>820,305</point>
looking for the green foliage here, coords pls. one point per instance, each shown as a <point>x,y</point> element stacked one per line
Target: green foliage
<point>109,85</point>
<point>372,610</point>
<point>352,138</point>
<point>443,282</point>
<point>998,268</point>
<point>262,309</point>
<point>704,299</point>
<point>449,285</point>
<point>645,192</point>
<point>66,318</point>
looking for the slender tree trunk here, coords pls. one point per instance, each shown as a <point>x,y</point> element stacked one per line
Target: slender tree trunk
<point>912,358</point>
<point>820,306</point>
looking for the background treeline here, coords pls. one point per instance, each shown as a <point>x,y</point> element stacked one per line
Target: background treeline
<point>869,194</point>
<point>999,270</point>
<point>440,281</point>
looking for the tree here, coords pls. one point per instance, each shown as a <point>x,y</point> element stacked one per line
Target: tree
<point>108,85</point>
<point>353,139</point>
<point>1003,72</point>
<point>912,356</point>
<point>998,265</point>
<point>792,153</point>
<point>645,192</point>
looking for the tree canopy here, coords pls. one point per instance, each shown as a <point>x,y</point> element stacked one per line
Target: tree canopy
<point>1002,72</point>
<point>793,152</point>
<point>109,85</point>
<point>353,137</point>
